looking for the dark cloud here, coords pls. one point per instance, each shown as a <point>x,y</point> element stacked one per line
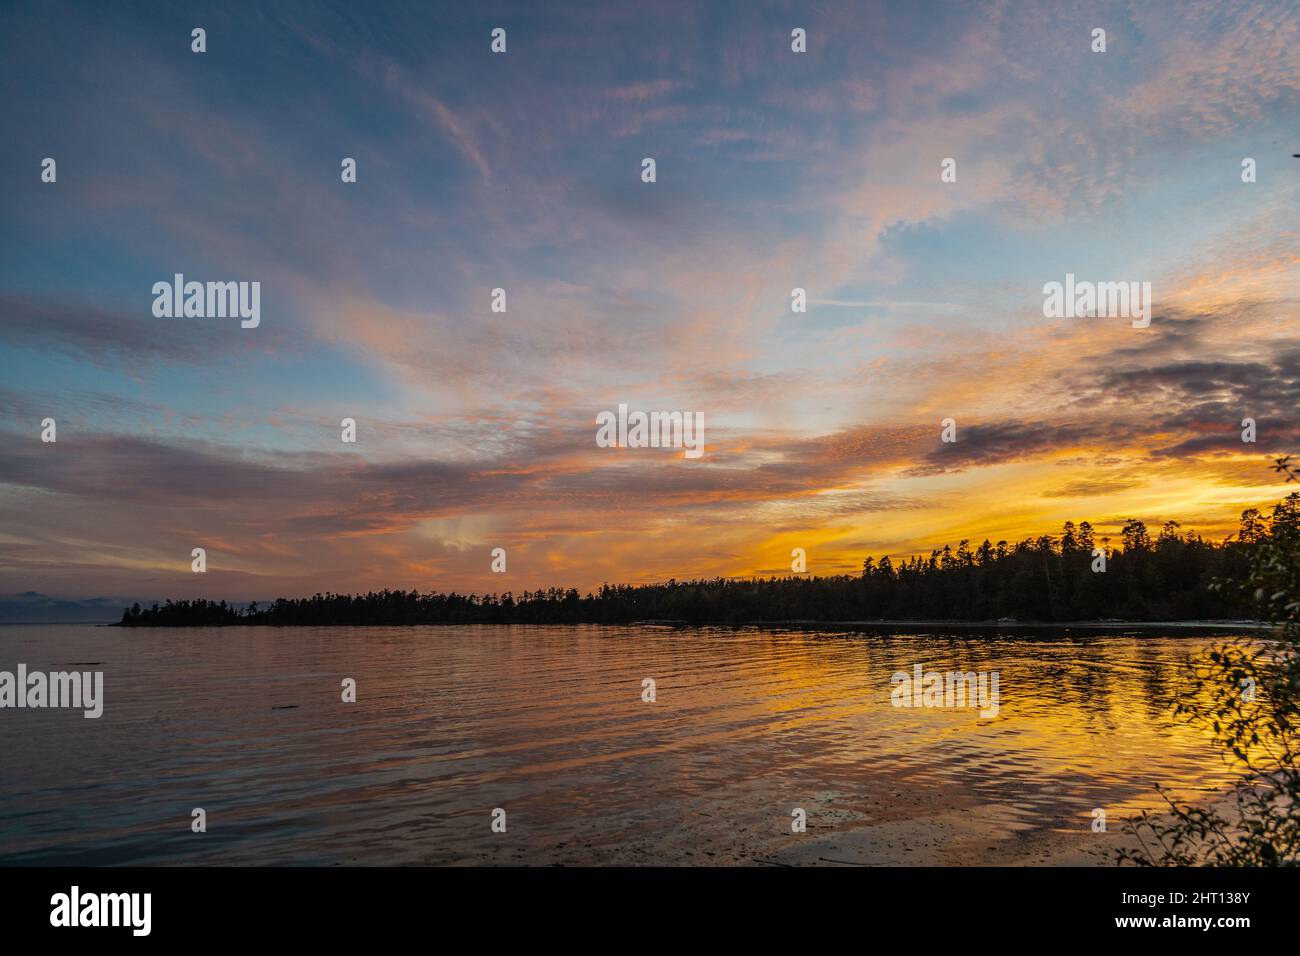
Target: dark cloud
<point>1206,401</point>
<point>993,443</point>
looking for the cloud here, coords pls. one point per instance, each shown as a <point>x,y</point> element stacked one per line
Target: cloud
<point>776,170</point>
<point>108,336</point>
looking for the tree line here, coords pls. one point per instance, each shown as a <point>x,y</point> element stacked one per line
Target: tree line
<point>1073,576</point>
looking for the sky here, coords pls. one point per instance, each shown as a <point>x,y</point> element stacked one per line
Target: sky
<point>522,170</point>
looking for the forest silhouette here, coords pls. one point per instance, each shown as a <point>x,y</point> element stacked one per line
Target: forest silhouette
<point>1049,578</point>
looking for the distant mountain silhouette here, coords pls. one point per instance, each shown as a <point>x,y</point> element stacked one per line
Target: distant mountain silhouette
<point>32,607</point>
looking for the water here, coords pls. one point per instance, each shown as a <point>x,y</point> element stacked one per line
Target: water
<point>548,724</point>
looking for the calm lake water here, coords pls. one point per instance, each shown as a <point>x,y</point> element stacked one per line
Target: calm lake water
<point>549,724</point>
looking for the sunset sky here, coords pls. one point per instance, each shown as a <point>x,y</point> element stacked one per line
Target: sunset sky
<point>522,170</point>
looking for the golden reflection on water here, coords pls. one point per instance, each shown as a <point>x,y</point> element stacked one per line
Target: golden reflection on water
<point>550,724</point>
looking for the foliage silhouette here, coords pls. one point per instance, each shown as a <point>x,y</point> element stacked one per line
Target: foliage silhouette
<point>1249,697</point>
<point>1046,578</point>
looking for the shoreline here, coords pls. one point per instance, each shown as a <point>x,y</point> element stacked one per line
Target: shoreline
<point>1165,628</point>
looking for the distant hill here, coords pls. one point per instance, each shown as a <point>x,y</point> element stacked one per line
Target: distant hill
<point>31,607</point>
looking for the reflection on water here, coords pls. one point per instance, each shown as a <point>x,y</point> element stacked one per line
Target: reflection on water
<point>548,723</point>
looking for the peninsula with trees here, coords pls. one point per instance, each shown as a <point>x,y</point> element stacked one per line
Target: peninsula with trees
<point>1168,577</point>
